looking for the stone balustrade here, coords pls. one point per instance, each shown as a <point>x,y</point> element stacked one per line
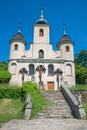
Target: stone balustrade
<point>74,103</point>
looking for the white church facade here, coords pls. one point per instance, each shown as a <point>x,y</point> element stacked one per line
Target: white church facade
<point>41,64</point>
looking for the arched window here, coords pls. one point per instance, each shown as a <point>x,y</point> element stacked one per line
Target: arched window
<point>67,49</point>
<point>41,54</point>
<point>68,69</point>
<point>50,70</point>
<point>31,69</point>
<point>15,47</point>
<point>13,68</point>
<point>13,64</point>
<point>41,32</point>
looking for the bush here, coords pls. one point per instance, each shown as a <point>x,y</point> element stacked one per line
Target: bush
<point>37,100</point>
<point>15,92</point>
<point>4,76</point>
<point>12,92</point>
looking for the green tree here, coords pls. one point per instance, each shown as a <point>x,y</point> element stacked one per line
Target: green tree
<point>82,58</point>
<point>4,76</point>
<point>81,67</point>
<point>3,66</point>
<point>81,73</point>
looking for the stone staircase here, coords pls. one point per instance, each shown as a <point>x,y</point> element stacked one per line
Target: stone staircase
<point>57,107</point>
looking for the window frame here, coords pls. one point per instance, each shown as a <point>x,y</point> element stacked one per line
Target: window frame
<point>41,32</point>
<point>16,47</point>
<point>13,68</point>
<point>70,68</point>
<point>41,54</point>
<point>50,70</point>
<point>31,70</point>
<point>67,48</point>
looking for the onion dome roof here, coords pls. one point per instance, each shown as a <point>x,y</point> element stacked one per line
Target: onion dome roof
<point>41,20</point>
<point>64,39</point>
<point>18,38</point>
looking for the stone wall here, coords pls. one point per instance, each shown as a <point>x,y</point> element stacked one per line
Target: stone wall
<point>83,93</point>
<point>75,105</point>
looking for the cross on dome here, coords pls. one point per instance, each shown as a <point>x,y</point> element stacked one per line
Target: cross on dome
<point>19,28</point>
<point>42,11</point>
<point>64,29</point>
<point>41,20</point>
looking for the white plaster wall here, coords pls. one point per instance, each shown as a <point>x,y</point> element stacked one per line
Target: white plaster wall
<point>48,54</point>
<point>37,38</point>
<point>28,53</point>
<point>14,54</point>
<point>70,78</point>
<point>58,54</point>
<point>66,55</point>
<point>17,79</point>
<point>11,68</point>
<point>48,51</point>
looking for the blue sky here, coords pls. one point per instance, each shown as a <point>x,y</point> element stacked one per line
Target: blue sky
<point>73,13</point>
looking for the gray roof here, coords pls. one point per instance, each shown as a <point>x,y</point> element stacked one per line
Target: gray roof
<point>64,40</point>
<point>41,21</point>
<point>18,38</point>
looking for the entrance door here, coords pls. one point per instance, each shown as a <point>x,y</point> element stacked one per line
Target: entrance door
<point>50,86</point>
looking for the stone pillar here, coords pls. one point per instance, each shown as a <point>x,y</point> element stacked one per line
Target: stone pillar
<point>28,107</point>
<point>80,107</point>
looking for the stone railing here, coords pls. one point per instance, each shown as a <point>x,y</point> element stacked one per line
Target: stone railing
<point>28,107</point>
<point>74,103</point>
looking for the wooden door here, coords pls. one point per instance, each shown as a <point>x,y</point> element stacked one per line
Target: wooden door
<point>50,86</point>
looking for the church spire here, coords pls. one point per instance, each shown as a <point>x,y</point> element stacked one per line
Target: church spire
<point>64,29</point>
<point>41,20</point>
<point>19,28</point>
<point>42,11</point>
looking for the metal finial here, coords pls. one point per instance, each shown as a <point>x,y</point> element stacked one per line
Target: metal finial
<point>64,29</point>
<point>19,28</point>
<point>42,11</point>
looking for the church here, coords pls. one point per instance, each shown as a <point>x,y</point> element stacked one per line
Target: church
<point>41,64</point>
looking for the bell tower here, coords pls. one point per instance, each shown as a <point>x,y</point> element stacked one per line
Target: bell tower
<point>65,46</point>
<point>17,46</point>
<point>41,30</point>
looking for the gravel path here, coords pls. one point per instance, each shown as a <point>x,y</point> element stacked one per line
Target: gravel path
<point>46,124</point>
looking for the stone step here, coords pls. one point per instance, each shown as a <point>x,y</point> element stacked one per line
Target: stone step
<point>56,111</point>
<point>59,116</point>
<point>57,106</point>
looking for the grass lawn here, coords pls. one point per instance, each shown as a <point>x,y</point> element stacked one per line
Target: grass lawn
<point>11,109</point>
<point>11,105</point>
<point>79,87</point>
<point>85,107</point>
